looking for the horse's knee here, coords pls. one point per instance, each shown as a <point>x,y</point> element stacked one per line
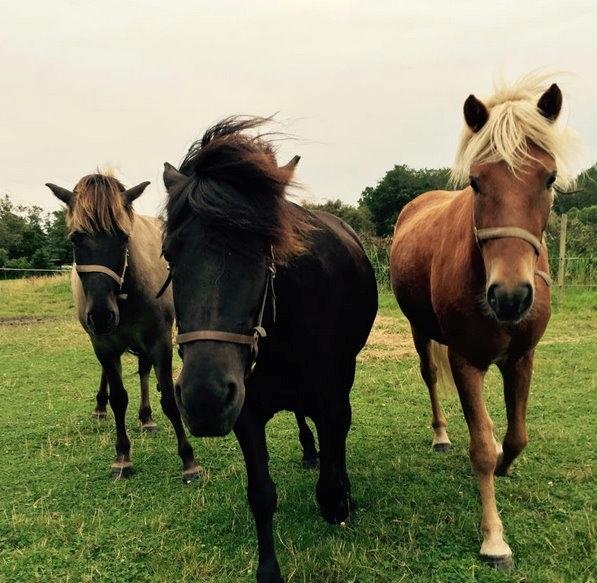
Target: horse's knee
<point>263,499</point>
<point>484,456</point>
<point>513,445</point>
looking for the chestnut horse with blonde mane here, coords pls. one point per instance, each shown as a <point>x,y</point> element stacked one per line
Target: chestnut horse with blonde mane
<point>470,272</point>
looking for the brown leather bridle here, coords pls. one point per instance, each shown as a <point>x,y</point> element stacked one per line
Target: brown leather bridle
<point>119,279</point>
<point>517,233</point>
<point>252,339</point>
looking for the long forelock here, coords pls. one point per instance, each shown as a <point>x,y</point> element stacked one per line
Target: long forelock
<point>99,206</point>
<point>236,186</point>
<point>515,124</point>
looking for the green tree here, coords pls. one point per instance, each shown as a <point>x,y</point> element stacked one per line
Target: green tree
<point>59,247</point>
<point>396,189</point>
<point>584,195</point>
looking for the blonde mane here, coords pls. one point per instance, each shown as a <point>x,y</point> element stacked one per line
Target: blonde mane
<point>514,123</point>
<point>99,205</point>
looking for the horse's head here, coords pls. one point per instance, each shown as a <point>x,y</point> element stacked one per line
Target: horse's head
<point>99,216</point>
<point>509,150</point>
<point>227,217</point>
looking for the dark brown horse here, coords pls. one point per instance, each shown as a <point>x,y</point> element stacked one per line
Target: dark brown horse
<point>273,304</point>
<point>118,270</point>
<point>469,270</point>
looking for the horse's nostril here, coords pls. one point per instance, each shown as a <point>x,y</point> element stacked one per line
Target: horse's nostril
<point>491,295</point>
<point>231,393</point>
<point>526,297</point>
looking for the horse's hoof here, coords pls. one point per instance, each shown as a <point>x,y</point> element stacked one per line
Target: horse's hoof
<point>121,470</point>
<point>311,463</point>
<point>193,474</point>
<point>499,563</point>
<point>149,427</point>
<point>442,447</point>
<point>99,415</point>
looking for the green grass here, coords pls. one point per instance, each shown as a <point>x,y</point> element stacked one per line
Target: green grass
<point>63,519</point>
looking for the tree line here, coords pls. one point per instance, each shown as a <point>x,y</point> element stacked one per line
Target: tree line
<point>30,238</point>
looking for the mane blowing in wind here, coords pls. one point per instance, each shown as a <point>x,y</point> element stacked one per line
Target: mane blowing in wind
<point>236,185</point>
<point>514,123</point>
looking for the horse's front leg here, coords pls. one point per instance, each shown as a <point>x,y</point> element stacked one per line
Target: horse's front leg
<point>122,466</point>
<point>162,358</point>
<point>484,455</point>
<point>261,492</point>
<point>517,381</point>
<point>101,398</point>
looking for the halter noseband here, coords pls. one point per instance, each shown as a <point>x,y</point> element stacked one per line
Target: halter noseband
<point>119,279</point>
<point>516,233</point>
<point>251,340</point>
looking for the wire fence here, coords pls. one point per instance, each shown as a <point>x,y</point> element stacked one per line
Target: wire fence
<point>22,272</point>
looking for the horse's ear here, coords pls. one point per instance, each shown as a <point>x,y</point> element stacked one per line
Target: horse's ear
<point>292,164</point>
<point>134,193</point>
<point>290,167</point>
<point>475,113</point>
<point>66,196</point>
<point>550,103</point>
<point>174,181</point>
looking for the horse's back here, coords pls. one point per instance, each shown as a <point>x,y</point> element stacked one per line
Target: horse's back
<point>330,291</point>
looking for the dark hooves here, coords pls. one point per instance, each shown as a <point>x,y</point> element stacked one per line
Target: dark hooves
<point>504,563</point>
<point>121,470</point>
<point>149,427</point>
<point>192,474</point>
<point>311,463</point>
<point>442,447</point>
<point>99,415</point>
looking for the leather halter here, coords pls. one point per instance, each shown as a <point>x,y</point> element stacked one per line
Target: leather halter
<point>119,279</point>
<point>516,233</point>
<point>251,340</point>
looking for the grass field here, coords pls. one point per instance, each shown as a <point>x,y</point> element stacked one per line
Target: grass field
<point>63,519</point>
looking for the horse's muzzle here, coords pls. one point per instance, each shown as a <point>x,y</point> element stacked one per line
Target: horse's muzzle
<point>209,409</point>
<point>510,304</point>
<point>102,323</point>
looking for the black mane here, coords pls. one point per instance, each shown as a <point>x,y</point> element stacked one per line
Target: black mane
<point>237,186</point>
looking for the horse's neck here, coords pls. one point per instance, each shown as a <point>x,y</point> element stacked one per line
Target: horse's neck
<point>146,267</point>
<point>459,249</point>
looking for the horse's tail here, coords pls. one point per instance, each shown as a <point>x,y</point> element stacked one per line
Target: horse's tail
<point>439,357</point>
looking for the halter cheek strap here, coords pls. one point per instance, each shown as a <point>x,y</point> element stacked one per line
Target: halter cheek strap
<point>119,279</point>
<point>517,233</point>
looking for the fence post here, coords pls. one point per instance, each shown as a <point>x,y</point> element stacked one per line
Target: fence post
<point>562,259</point>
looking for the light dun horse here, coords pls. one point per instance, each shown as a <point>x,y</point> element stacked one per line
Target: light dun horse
<point>469,270</point>
<point>119,269</point>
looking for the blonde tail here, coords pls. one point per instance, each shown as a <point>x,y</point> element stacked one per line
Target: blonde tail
<point>439,357</point>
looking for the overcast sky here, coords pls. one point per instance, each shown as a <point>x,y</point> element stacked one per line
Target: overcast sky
<point>364,85</point>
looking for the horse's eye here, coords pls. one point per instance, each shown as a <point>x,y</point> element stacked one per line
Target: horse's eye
<point>550,180</point>
<point>475,184</point>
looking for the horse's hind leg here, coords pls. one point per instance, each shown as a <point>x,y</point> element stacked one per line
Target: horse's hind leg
<point>333,422</point>
<point>147,423</point>
<point>440,442</point>
<point>163,370</point>
<point>517,381</point>
<point>101,398</point>
<point>310,455</point>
